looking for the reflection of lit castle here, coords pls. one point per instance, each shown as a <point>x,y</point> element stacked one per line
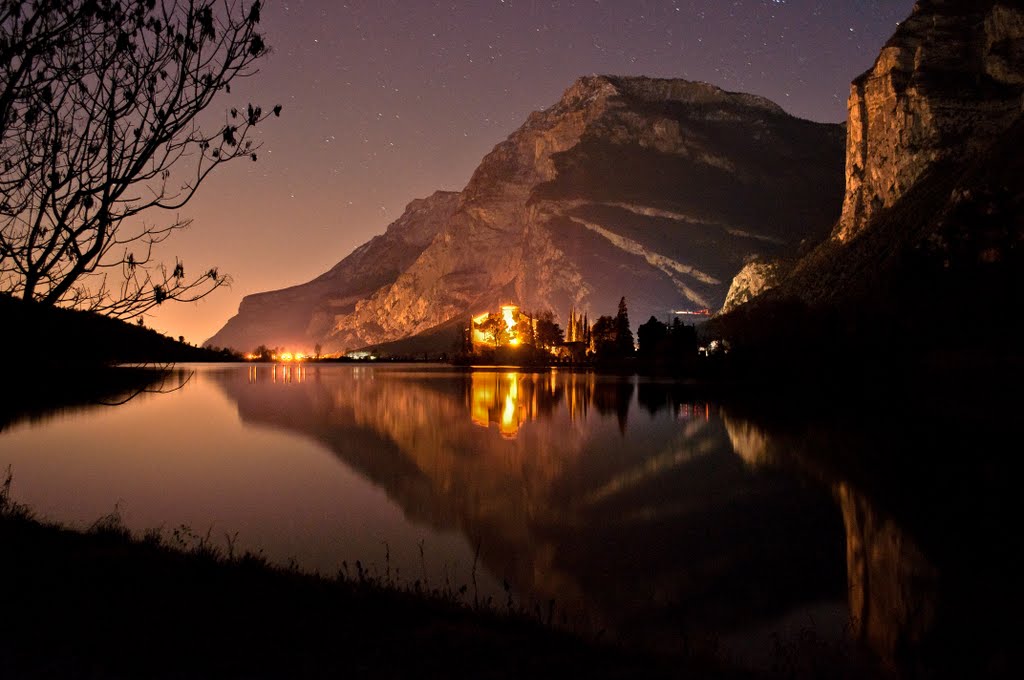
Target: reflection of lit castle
<point>510,399</point>
<point>495,398</point>
<point>509,327</point>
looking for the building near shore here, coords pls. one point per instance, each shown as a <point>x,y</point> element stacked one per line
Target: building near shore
<point>508,327</point>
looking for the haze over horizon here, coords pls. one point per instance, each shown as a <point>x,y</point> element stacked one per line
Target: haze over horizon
<point>389,101</point>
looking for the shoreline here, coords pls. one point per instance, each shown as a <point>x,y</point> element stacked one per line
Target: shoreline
<point>105,603</point>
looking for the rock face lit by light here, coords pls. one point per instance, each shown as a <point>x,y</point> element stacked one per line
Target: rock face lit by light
<point>911,109</point>
<point>621,188</point>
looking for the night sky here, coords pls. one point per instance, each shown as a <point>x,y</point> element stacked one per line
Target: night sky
<point>386,101</point>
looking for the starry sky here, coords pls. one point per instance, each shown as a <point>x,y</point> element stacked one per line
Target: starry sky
<point>385,101</point>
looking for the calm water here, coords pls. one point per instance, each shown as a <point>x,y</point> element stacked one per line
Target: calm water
<point>631,507</point>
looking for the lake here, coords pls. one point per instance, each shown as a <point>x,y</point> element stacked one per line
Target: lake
<point>618,503</point>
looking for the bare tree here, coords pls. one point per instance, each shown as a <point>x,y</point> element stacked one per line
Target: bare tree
<point>101,119</point>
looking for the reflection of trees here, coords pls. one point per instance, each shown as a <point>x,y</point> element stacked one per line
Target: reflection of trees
<point>82,387</point>
<point>656,396</point>
<point>614,397</point>
<point>931,577</point>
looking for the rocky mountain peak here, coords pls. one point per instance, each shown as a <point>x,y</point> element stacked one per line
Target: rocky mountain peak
<point>692,93</point>
<point>653,189</point>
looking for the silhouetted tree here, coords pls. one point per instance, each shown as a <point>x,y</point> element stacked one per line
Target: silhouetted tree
<point>682,339</point>
<point>549,334</point>
<point>623,334</point>
<point>316,350</point>
<point>652,338</point>
<point>602,335</point>
<point>100,108</point>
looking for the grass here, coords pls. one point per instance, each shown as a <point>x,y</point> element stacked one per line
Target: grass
<point>105,603</point>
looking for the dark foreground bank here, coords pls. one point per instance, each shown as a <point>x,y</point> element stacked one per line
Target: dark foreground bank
<point>101,604</point>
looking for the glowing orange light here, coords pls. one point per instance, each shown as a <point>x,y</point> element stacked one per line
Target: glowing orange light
<point>514,342</point>
<point>286,356</point>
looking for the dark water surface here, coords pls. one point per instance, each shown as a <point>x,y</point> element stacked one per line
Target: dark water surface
<point>627,504</point>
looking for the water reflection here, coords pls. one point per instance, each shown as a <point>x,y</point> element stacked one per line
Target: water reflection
<point>656,514</point>
<point>616,497</point>
<point>932,583</point>
<point>508,400</point>
<point>39,398</point>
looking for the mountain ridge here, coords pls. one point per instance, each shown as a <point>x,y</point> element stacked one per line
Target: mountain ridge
<point>653,189</point>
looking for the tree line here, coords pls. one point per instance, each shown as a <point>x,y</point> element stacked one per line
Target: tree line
<point>609,338</point>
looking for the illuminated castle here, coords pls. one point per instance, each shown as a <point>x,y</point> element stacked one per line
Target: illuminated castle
<point>509,327</point>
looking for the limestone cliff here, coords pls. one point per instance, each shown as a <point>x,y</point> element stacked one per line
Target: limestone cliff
<point>656,190</point>
<point>756,277</point>
<point>933,218</point>
<point>946,85</point>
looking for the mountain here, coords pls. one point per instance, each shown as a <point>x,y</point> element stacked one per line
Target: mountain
<point>927,250</point>
<point>656,190</point>
<point>303,315</point>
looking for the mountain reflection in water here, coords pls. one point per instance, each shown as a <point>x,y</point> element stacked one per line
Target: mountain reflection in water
<point>616,498</point>
<point>627,502</point>
<point>926,498</point>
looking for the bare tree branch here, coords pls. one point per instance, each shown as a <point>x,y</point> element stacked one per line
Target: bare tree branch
<point>101,120</point>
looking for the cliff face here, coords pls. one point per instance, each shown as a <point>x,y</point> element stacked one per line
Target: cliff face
<point>656,190</point>
<point>755,278</point>
<point>932,224</point>
<point>946,85</point>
